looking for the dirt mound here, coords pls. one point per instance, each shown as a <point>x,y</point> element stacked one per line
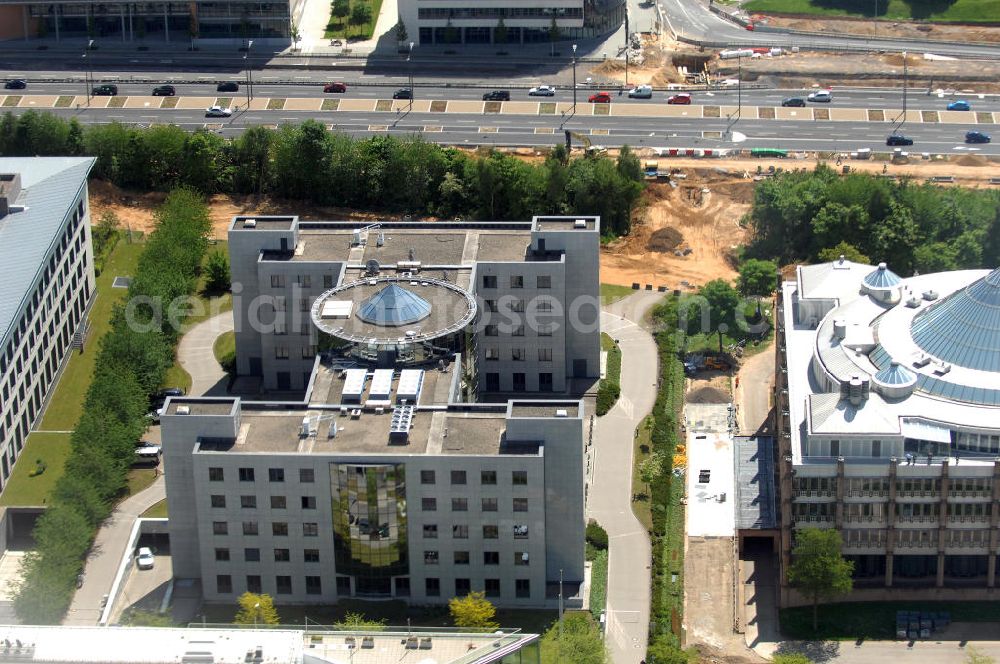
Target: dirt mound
<point>972,160</point>
<point>707,395</point>
<point>665,239</point>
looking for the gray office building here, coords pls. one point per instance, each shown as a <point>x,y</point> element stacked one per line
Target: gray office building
<point>422,432</point>
<point>48,265</point>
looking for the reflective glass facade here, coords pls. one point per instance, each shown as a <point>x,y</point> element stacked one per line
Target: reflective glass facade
<point>369,524</point>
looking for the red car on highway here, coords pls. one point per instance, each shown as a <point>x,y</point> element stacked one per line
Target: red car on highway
<point>600,98</point>
<point>334,87</point>
<point>682,98</point>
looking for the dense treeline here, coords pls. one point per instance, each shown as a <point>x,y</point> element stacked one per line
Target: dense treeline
<point>133,358</point>
<point>308,162</point>
<point>911,226</point>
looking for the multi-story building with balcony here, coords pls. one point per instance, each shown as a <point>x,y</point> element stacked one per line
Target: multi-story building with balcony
<point>48,264</point>
<point>421,434</point>
<point>888,409</point>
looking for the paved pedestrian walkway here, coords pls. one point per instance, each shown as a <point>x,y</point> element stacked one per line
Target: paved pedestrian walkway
<point>106,554</point>
<point>197,357</point>
<point>610,490</point>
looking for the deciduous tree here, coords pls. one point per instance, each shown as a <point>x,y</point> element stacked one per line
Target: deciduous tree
<point>818,569</point>
<point>256,609</point>
<point>474,611</point>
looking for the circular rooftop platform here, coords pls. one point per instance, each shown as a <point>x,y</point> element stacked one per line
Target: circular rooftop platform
<point>393,310</point>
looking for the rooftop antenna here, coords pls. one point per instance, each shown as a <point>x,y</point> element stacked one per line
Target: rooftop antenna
<point>372,267</point>
<point>411,253</point>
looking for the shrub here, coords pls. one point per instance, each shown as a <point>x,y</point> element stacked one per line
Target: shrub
<point>596,536</point>
<point>607,396</point>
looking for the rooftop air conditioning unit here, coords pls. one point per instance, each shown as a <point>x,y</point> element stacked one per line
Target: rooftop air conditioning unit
<point>580,223</point>
<point>183,410</point>
<point>562,413</point>
<point>249,223</point>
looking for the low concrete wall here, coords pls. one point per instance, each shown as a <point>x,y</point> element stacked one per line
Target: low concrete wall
<point>127,566</point>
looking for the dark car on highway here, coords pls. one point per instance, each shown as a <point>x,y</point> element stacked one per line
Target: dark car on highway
<point>164,91</point>
<point>795,102</point>
<point>106,90</point>
<point>16,84</point>
<point>497,95</point>
<point>898,139</point>
<point>976,137</point>
<point>228,86</point>
<point>335,87</point>
<point>403,93</point>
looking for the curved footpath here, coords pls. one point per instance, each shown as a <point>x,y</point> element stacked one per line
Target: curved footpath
<point>610,494</point>
<point>196,356</point>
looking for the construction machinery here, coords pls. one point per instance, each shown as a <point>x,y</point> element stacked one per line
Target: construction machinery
<point>587,147</point>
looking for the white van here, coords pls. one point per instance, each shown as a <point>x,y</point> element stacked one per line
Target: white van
<point>148,455</point>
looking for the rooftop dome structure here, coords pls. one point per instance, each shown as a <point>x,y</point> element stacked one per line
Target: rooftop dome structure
<point>964,328</point>
<point>882,277</point>
<point>894,381</point>
<point>395,306</point>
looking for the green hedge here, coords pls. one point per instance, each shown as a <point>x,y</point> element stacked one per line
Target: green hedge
<point>133,358</point>
<point>609,388</point>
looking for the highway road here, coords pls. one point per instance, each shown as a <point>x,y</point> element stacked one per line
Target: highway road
<point>295,84</point>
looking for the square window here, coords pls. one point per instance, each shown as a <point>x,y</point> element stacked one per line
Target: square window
<point>517,331</point>
<point>283,585</point>
<point>310,529</point>
<point>520,531</point>
<point>220,528</point>
<point>248,502</point>
<point>492,587</point>
<point>488,477</point>
<point>491,557</point>
<point>310,555</point>
<point>460,532</point>
<point>490,306</point>
<point>427,477</point>
<point>491,532</point>
<point>516,281</point>
<point>491,331</point>
<point>462,587</point>
<point>246,475</point>
<point>432,586</point>
<point>327,281</point>
<point>517,306</point>
<point>520,504</point>
<point>521,558</point>
<point>276,474</point>
<point>254,584</point>
<point>430,531</point>
<point>279,529</point>
<point>517,354</point>
<point>281,352</point>
<point>489,504</point>
<point>278,502</point>
<point>431,557</point>
<point>459,504</point>
<point>222,555</point>
<point>218,501</point>
<point>277,281</point>
<point>492,353</point>
<point>458,477</point>
<point>223,584</point>
<point>428,504</point>
<point>519,478</point>
<point>489,281</point>
<point>216,475</point>
<point>314,585</point>
<point>544,354</point>
<point>249,528</point>
<point>543,281</point>
<point>308,502</point>
<point>307,475</point>
<point>282,555</point>
<point>545,331</point>
<point>461,557</point>
<point>522,588</point>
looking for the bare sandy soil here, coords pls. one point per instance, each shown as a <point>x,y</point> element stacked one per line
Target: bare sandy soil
<point>913,30</point>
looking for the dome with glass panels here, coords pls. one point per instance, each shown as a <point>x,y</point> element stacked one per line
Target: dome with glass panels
<point>394,305</point>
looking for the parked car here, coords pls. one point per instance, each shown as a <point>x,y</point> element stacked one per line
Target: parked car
<point>959,105</point>
<point>403,93</point>
<point>898,139</point>
<point>497,95</point>
<point>600,98</point>
<point>820,96</point>
<point>167,392</point>
<point>542,91</point>
<point>16,84</point>
<point>794,102</point>
<point>641,92</point>
<point>148,455</point>
<point>976,137</point>
<point>336,42</point>
<point>144,559</point>
<point>228,86</point>
<point>335,87</point>
<point>218,112</point>
<point>106,90</point>
<point>682,98</point>
<point>164,91</point>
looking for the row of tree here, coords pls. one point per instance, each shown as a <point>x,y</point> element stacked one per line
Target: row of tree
<point>308,162</point>
<point>132,360</point>
<point>911,226</point>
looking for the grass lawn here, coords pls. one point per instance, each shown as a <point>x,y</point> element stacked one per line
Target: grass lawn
<point>23,490</point>
<point>66,405</point>
<point>339,28</point>
<point>613,292</point>
<point>753,342</point>
<point>642,448</point>
<point>139,479</point>
<point>224,349</point>
<point>673,550</point>
<point>157,511</point>
<point>614,358</point>
<point>599,584</point>
<point>873,620</point>
<point>395,613</point>
<point>962,11</point>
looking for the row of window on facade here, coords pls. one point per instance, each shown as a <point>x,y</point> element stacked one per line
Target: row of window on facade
<point>427,477</point>
<point>877,511</point>
<point>542,281</point>
<point>302,280</point>
<point>282,555</point>
<point>218,501</point>
<point>871,537</point>
<point>429,504</point>
<point>314,586</point>
<point>870,486</point>
<point>981,443</point>
<point>444,13</point>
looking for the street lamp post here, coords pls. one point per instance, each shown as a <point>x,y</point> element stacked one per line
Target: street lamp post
<point>627,44</point>
<point>574,78</point>
<point>249,66</point>
<point>256,610</point>
<point>409,70</point>
<point>88,74</point>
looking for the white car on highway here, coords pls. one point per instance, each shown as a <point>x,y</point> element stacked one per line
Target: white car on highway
<point>822,96</point>
<point>542,91</point>
<point>218,112</point>
<point>145,558</point>
<point>641,92</point>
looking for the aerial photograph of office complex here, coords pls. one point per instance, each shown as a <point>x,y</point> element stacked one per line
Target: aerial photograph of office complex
<point>559,332</point>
